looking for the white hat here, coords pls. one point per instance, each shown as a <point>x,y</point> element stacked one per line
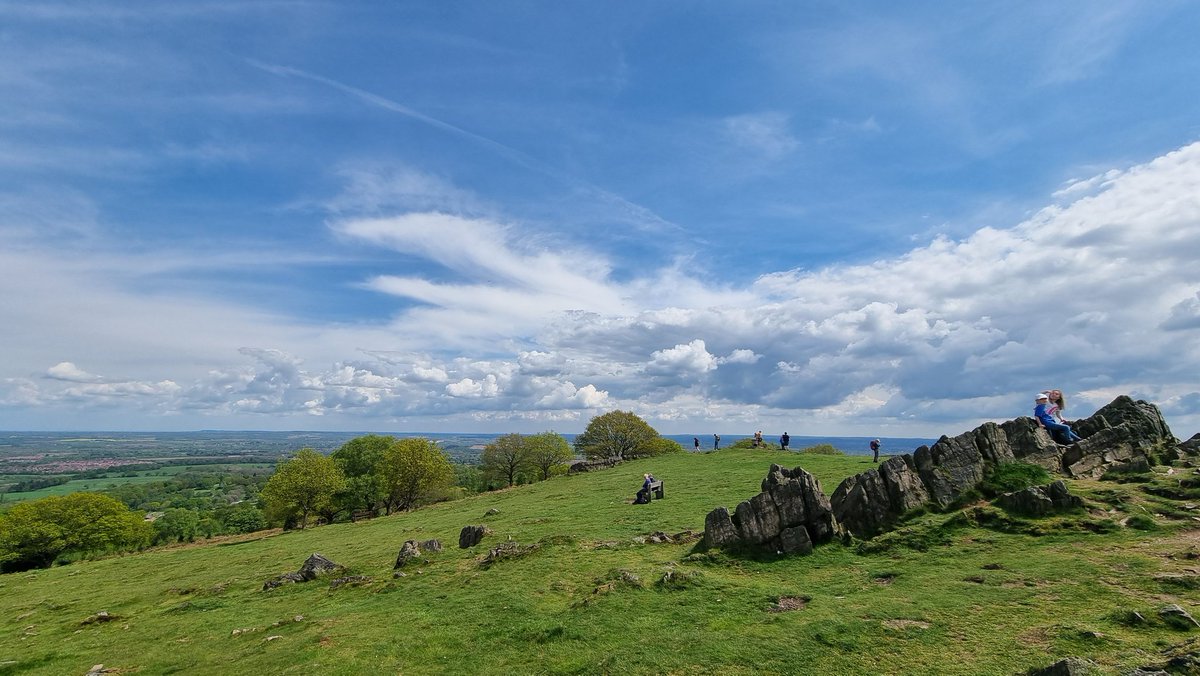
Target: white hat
<point>1041,395</point>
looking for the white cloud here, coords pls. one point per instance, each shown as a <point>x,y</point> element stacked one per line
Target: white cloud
<point>67,371</point>
<point>1097,295</point>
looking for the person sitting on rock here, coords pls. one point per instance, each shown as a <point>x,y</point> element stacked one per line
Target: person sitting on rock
<point>1058,431</point>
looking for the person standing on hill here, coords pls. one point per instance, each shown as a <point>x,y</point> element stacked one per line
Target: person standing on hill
<point>758,442</point>
<point>875,448</point>
<point>716,441</point>
<point>696,442</point>
<point>784,441</point>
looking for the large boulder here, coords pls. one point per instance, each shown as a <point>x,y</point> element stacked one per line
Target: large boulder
<point>1031,443</point>
<point>866,504</point>
<point>1090,457</point>
<point>790,515</point>
<point>950,467</point>
<point>470,536</point>
<point>1040,500</point>
<point>316,565</point>
<point>1191,446</point>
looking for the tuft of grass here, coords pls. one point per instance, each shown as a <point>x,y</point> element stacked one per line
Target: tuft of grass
<point>1007,477</point>
<point>821,449</point>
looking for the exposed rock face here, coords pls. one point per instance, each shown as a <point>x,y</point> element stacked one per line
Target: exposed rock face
<point>432,546</point>
<point>1191,446</point>
<point>1070,666</point>
<point>868,503</point>
<point>1123,434</point>
<point>312,568</point>
<point>471,535</point>
<point>409,552</point>
<point>1040,500</point>
<point>790,515</point>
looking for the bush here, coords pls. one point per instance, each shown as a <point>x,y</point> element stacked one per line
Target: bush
<point>663,445</point>
<point>1013,476</point>
<point>822,449</point>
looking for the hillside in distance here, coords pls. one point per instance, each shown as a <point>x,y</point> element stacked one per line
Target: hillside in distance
<point>595,593</point>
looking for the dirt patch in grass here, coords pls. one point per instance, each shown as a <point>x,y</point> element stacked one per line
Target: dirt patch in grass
<point>788,603</point>
<point>901,625</point>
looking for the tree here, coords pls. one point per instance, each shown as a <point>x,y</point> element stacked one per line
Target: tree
<point>34,534</point>
<point>548,452</point>
<point>359,459</point>
<point>617,434</point>
<point>505,458</point>
<point>303,485</point>
<point>176,525</point>
<point>410,469</point>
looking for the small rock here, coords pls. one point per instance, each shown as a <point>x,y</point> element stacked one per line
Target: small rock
<point>491,511</point>
<point>1177,617</point>
<point>399,573</point>
<point>471,535</point>
<point>272,638</point>
<point>1069,666</point>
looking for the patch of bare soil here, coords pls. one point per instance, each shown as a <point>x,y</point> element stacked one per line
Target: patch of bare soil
<point>786,603</point>
<point>905,624</point>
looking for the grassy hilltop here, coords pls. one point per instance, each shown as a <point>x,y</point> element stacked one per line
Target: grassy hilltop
<point>996,598</point>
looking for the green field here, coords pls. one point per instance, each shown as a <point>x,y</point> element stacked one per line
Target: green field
<point>593,598</point>
<point>100,484</point>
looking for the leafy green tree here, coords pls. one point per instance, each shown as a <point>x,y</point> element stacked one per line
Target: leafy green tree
<point>505,459</point>
<point>410,470</point>
<point>303,485</point>
<point>359,459</point>
<point>242,518</point>
<point>176,525</point>
<point>34,534</point>
<point>617,434</point>
<point>548,452</point>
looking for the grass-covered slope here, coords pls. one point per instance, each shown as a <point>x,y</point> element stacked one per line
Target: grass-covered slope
<point>592,599</point>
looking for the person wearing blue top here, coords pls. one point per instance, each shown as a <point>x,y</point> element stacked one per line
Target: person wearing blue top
<point>1058,431</point>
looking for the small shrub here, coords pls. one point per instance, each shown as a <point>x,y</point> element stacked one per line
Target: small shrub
<point>822,449</point>
<point>1141,522</point>
<point>674,579</point>
<point>1013,476</point>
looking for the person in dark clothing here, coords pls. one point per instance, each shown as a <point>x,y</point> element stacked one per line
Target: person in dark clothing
<point>784,441</point>
<point>696,442</point>
<point>643,495</point>
<point>875,448</point>
<point>716,441</point>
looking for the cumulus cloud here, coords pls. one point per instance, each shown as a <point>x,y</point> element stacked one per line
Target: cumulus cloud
<point>1096,293</point>
<point>69,372</point>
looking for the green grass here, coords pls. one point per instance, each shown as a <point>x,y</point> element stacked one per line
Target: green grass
<point>592,599</point>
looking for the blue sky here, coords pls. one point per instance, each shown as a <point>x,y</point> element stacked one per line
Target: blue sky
<point>827,218</point>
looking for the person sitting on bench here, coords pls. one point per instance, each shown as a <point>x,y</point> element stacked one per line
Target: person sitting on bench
<point>643,496</point>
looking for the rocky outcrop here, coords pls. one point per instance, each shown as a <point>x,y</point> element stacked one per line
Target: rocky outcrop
<point>1190,447</point>
<point>312,568</point>
<point>869,503</point>
<point>409,552</point>
<point>1040,500</point>
<point>470,536</point>
<point>791,514</point>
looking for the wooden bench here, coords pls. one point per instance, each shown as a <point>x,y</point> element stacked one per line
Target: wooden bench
<point>361,514</point>
<point>656,489</point>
